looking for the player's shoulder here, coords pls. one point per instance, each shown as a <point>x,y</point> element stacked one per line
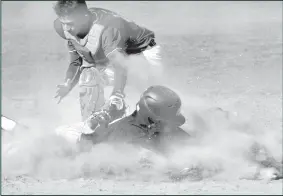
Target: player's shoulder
<point>101,12</point>
<point>177,133</point>
<point>107,17</point>
<point>180,134</point>
<point>59,28</point>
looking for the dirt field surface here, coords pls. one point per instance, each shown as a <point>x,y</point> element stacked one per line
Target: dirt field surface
<point>100,187</point>
<point>217,54</point>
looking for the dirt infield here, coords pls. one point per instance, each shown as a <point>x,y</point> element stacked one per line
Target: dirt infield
<point>219,54</point>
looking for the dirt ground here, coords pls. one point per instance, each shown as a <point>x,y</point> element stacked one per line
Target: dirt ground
<point>103,187</point>
<point>224,54</point>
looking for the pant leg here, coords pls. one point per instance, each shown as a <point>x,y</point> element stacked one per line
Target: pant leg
<point>108,76</point>
<point>91,95</point>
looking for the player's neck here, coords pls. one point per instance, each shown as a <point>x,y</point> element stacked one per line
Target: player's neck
<point>140,119</point>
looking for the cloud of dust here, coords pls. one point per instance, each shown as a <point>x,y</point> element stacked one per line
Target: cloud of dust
<point>219,145</point>
<point>223,140</point>
<point>219,153</point>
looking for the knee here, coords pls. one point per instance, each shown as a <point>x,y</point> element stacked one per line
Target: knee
<point>90,77</point>
<point>108,77</point>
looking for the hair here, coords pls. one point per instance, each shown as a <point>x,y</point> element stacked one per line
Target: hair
<point>67,7</point>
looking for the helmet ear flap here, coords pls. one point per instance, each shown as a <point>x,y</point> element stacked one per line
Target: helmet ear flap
<point>143,110</point>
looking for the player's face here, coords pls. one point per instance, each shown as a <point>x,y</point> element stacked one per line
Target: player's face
<point>75,24</point>
<point>68,24</point>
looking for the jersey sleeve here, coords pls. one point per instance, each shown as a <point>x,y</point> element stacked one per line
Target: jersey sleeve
<point>112,40</point>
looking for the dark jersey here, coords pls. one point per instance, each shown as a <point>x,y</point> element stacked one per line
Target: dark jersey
<point>129,130</point>
<point>109,32</point>
<point>136,38</point>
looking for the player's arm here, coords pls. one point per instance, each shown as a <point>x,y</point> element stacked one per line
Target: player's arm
<point>114,45</point>
<point>72,74</point>
<point>73,71</point>
<point>100,134</point>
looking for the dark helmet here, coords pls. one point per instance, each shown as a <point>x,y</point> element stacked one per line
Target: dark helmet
<point>159,103</point>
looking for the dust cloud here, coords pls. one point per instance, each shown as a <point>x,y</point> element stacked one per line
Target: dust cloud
<point>220,145</point>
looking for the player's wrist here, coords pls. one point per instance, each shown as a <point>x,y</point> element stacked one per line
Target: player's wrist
<point>118,93</point>
<point>68,83</point>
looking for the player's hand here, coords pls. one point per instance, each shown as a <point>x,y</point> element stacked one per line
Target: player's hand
<point>62,91</point>
<point>117,99</point>
<point>98,118</point>
<point>103,117</point>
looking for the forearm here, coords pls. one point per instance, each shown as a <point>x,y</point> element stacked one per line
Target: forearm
<point>120,72</point>
<point>120,79</point>
<point>73,73</point>
<point>99,135</point>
